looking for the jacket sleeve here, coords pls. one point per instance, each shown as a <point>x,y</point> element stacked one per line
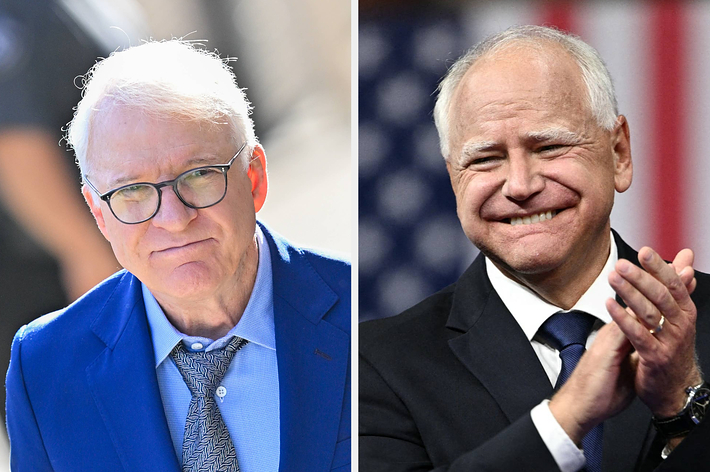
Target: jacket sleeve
<point>390,441</point>
<point>27,451</point>
<point>692,453</point>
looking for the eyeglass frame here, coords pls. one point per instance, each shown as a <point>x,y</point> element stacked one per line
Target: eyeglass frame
<point>169,183</point>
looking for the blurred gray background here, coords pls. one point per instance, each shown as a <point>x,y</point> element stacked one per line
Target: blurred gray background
<point>293,58</point>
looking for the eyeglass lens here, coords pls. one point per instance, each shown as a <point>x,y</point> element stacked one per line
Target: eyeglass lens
<point>198,188</point>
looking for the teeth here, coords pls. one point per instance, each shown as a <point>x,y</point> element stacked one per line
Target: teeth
<point>539,218</point>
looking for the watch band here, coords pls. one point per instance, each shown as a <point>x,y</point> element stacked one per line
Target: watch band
<point>692,413</point>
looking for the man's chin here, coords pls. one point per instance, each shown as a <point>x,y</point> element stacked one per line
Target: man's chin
<point>527,264</point>
<point>188,281</point>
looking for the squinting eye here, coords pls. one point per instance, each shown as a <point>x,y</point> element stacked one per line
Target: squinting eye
<point>133,192</point>
<point>135,189</point>
<point>553,147</point>
<point>199,174</point>
<point>484,161</point>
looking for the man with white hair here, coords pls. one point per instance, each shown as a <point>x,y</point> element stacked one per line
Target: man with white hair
<point>221,346</point>
<point>560,348</point>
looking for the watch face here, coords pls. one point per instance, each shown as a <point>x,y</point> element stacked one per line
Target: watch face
<point>699,404</point>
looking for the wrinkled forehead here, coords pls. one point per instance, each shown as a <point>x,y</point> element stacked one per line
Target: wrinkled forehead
<point>522,68</point>
<point>126,143</point>
<point>518,76</point>
<point>133,131</point>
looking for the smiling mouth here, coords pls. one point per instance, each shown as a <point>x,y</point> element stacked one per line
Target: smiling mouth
<point>532,219</point>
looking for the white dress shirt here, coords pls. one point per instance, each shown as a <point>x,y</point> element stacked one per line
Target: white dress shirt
<point>531,311</point>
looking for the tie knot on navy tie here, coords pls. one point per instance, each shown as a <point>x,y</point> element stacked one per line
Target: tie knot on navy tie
<point>203,371</point>
<point>564,329</point>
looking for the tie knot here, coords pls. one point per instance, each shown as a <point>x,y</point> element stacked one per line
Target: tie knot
<point>566,328</point>
<point>203,371</point>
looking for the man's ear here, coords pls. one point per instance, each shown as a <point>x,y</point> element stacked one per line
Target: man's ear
<point>621,149</point>
<point>257,175</point>
<point>95,206</point>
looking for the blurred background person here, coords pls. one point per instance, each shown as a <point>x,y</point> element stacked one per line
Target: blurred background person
<point>297,51</point>
<point>50,249</point>
<point>410,241</point>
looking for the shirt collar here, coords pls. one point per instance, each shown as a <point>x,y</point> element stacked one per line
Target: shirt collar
<point>256,323</point>
<point>531,311</point>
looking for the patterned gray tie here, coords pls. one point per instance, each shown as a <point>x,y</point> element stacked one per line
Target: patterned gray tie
<point>206,446</point>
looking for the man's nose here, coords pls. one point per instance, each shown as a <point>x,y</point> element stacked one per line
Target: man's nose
<point>173,214</point>
<point>523,179</point>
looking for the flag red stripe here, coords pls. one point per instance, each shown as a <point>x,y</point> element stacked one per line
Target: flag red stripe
<point>667,104</point>
<point>558,14</point>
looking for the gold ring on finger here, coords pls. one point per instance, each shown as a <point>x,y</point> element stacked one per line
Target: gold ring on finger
<point>658,328</point>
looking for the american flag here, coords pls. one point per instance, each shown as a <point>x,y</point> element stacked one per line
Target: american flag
<point>410,242</point>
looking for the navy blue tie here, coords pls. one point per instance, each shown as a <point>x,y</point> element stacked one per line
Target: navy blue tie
<point>568,333</point>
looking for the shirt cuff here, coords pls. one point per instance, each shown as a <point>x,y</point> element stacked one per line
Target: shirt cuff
<point>567,455</point>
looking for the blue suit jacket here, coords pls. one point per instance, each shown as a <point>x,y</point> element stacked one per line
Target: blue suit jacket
<point>82,392</point>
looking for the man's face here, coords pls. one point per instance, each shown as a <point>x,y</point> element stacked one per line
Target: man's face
<point>181,253</point>
<point>525,147</point>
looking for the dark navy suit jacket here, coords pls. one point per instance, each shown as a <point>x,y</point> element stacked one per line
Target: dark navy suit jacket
<point>448,386</point>
<point>82,392</point>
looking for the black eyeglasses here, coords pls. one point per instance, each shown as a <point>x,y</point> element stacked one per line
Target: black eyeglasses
<point>197,188</point>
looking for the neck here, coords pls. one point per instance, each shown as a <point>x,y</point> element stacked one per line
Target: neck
<point>564,286</point>
<point>215,315</point>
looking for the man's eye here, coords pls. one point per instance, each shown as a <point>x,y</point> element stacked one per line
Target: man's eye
<point>199,176</point>
<point>552,147</point>
<point>134,189</point>
<point>484,161</point>
<point>133,192</point>
<point>198,173</point>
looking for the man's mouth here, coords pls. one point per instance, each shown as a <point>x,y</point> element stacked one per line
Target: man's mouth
<point>178,246</point>
<point>532,219</point>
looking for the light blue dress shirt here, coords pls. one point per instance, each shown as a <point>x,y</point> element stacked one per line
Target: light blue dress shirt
<point>250,407</point>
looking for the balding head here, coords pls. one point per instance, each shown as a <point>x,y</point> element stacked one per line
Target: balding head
<point>600,99</point>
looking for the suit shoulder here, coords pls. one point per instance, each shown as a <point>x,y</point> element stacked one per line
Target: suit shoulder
<point>307,273</point>
<point>330,266</point>
<point>333,268</point>
<point>72,322</point>
<point>417,325</point>
<point>335,272</point>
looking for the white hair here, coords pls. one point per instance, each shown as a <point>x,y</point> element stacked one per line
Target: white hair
<point>163,79</point>
<point>600,90</point>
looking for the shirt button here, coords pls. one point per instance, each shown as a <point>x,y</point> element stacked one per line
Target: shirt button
<point>197,346</point>
<point>221,391</point>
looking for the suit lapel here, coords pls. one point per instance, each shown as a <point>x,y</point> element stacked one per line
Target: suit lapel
<point>313,358</point>
<point>124,383</point>
<point>492,345</point>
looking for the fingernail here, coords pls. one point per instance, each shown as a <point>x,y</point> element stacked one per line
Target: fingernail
<point>647,256</point>
<point>623,268</point>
